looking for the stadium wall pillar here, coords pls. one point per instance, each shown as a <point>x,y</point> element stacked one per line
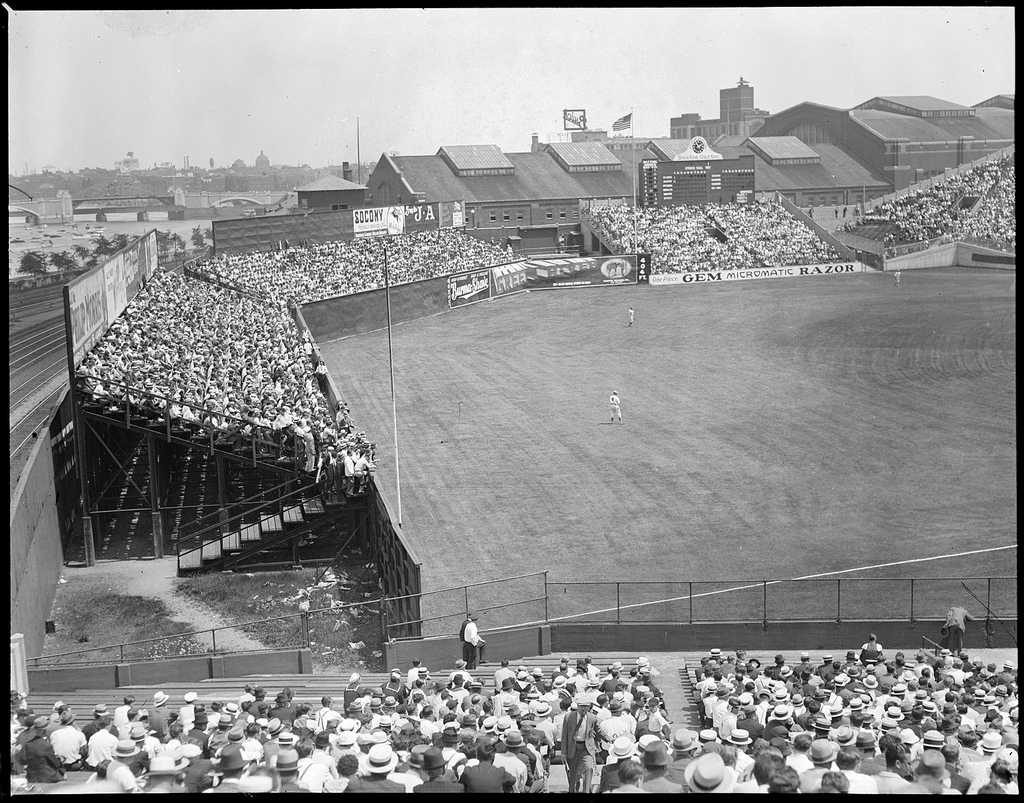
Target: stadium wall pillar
<point>36,552</point>
<point>567,637</point>
<point>442,651</point>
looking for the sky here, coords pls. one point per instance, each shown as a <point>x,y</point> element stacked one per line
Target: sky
<point>85,88</point>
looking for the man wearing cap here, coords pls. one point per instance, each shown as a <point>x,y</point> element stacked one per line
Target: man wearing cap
<point>708,774</point>
<point>579,744</point>
<point>91,727</point>
<point>380,762</point>
<point>822,753</point>
<point>283,709</point>
<point>472,643</point>
<point>119,770</point>
<point>166,774</point>
<point>68,742</point>
<point>623,749</point>
<point>435,767</point>
<point>656,760</point>
<point>684,747</point>
<point>41,762</point>
<point>955,626</point>
<point>614,726</point>
<point>187,712</point>
<point>228,770</point>
<point>102,743</point>
<point>516,765</point>
<point>158,719</point>
<point>484,776</point>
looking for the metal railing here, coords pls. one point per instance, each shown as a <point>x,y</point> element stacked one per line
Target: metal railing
<point>154,408</point>
<point>521,601</point>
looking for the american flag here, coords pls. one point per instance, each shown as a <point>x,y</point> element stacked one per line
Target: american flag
<point>623,123</point>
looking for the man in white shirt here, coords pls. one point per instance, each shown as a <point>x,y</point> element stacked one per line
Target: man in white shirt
<point>848,762</point>
<point>101,744</point>
<point>614,402</point>
<point>471,641</point>
<point>121,712</point>
<point>68,742</point>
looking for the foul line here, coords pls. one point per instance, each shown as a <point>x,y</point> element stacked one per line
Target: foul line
<point>752,585</point>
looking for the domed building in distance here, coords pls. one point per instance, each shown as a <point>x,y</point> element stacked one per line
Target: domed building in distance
<point>262,162</point>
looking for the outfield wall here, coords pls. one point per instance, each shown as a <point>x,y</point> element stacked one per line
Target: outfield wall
<point>947,255</point>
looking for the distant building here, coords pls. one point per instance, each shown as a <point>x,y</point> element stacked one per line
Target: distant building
<point>737,117</point>
<point>331,193</point>
<point>903,139</point>
<point>528,196</point>
<point>127,165</point>
<point>262,162</point>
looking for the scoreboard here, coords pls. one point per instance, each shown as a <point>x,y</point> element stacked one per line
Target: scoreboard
<point>694,181</point>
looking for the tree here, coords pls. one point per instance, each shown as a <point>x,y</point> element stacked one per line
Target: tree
<point>63,262</point>
<point>33,263</point>
<point>84,254</point>
<point>198,238</point>
<point>102,246</point>
<point>120,241</point>
<point>163,242</point>
<point>211,163</point>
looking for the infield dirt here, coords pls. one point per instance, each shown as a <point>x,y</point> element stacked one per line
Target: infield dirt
<point>772,429</point>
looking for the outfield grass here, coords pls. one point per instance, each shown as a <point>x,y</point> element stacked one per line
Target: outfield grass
<point>773,429</point>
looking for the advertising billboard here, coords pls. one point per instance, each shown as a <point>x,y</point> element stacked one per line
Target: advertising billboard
<point>791,271</point>
<point>506,279</point>
<point>468,288</point>
<point>581,271</point>
<point>93,301</point>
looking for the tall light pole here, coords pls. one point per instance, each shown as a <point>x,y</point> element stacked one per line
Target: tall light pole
<point>393,227</point>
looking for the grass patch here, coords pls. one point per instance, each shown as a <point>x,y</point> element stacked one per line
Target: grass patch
<point>342,638</point>
<point>87,615</point>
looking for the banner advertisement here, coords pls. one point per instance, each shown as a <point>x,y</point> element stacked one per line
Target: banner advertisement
<point>116,287</point>
<point>381,220</point>
<point>468,288</point>
<point>581,271</point>
<point>697,277</point>
<point>395,219</point>
<point>87,301</point>
<point>452,214</point>
<point>507,279</point>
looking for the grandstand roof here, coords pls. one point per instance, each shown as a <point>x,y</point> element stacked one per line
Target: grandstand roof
<point>837,169</point>
<point>583,154</point>
<point>921,103</point>
<point>987,123</point>
<point>536,176</point>
<point>475,157</point>
<point>330,182</point>
<point>783,148</point>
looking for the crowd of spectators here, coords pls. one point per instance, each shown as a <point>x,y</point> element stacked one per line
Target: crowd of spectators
<point>712,236</point>
<point>866,724</point>
<point>861,723</point>
<point>299,275</point>
<point>936,210</point>
<point>222,364</point>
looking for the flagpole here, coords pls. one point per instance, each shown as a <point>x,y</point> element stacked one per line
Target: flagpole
<point>391,366</point>
<point>359,179</point>
<point>636,246</point>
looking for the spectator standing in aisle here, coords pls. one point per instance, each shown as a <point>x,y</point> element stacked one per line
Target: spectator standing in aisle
<point>956,618</point>
<point>579,744</point>
<point>472,644</point>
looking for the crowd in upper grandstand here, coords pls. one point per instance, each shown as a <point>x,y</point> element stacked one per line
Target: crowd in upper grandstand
<point>712,236</point>
<point>863,723</point>
<point>299,275</point>
<point>221,364</point>
<point>943,209</point>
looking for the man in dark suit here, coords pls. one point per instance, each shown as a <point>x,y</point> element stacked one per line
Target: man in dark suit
<point>434,766</point>
<point>579,744</point>
<point>656,761</point>
<point>485,777</point>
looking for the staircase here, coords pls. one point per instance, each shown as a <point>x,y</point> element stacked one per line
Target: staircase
<point>273,514</point>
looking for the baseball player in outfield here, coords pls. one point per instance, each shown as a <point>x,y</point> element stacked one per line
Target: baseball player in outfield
<point>614,402</point>
<point>630,316</point>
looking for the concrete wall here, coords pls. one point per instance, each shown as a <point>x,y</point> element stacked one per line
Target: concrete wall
<point>510,644</point>
<point>178,670</point>
<point>36,552</point>
<point>639,637</point>
<point>976,256</point>
<point>942,256</point>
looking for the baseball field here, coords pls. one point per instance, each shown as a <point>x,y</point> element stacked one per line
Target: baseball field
<point>773,429</point>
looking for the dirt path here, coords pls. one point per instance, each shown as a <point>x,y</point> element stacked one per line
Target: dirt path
<point>157,579</point>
